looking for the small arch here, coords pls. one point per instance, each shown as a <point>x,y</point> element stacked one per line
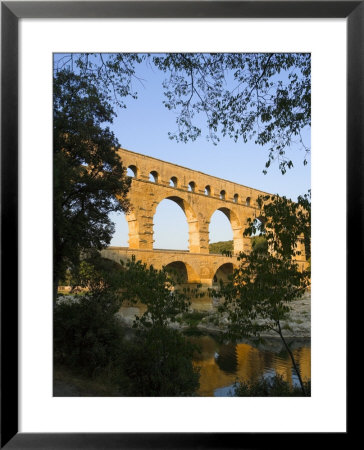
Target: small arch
<point>173,182</point>
<point>191,186</point>
<point>223,273</point>
<point>177,270</point>
<point>247,201</point>
<point>236,198</point>
<point>153,176</point>
<point>182,273</point>
<point>208,190</point>
<point>132,171</point>
<point>222,195</point>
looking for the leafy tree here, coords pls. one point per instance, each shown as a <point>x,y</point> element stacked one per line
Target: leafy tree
<point>89,179</point>
<point>260,293</point>
<point>159,360</point>
<point>282,223</point>
<point>155,289</point>
<point>258,297</point>
<point>264,96</point>
<point>109,74</point>
<point>87,334</point>
<point>98,274</point>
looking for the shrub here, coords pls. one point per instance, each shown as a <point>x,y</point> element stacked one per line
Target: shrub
<point>158,362</point>
<point>271,387</point>
<point>87,335</point>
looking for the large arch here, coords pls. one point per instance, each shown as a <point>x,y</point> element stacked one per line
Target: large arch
<point>170,227</point>
<point>192,221</point>
<point>236,227</point>
<point>220,230</point>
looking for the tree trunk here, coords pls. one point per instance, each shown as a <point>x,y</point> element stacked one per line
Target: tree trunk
<point>293,360</point>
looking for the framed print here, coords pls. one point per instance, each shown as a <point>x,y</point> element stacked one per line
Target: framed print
<point>35,36</point>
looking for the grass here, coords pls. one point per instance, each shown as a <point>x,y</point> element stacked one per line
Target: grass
<point>67,380</point>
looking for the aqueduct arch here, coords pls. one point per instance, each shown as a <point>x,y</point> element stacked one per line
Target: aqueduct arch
<point>223,272</point>
<point>199,195</point>
<point>237,228</point>
<point>191,217</point>
<point>183,272</point>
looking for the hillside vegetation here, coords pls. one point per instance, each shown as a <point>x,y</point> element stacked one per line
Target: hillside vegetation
<point>258,242</point>
<point>219,247</point>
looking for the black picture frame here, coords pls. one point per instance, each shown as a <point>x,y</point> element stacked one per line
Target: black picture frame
<point>11,12</point>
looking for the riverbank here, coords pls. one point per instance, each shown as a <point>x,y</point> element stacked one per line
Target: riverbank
<point>297,326</point>
<point>220,365</point>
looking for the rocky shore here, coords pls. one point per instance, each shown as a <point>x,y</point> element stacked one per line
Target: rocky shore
<point>297,326</point>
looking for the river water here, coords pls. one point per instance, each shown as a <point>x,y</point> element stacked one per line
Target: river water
<point>222,364</point>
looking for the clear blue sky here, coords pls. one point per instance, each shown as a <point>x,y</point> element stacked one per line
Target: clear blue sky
<point>143,127</point>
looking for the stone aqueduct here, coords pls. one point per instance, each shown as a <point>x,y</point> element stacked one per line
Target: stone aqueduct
<point>199,195</point>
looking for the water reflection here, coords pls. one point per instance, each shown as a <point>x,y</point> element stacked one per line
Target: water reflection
<point>227,358</point>
<point>222,364</point>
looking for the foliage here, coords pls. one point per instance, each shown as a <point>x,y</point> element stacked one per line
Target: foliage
<point>89,179</point>
<point>269,387</point>
<point>258,296</point>
<point>265,96</point>
<point>155,289</point>
<point>259,244</point>
<point>158,362</point>
<point>98,274</point>
<point>220,247</point>
<point>282,223</point>
<point>261,290</point>
<point>109,74</point>
<point>87,335</point>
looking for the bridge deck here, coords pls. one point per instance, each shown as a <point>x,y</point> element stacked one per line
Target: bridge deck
<point>201,267</point>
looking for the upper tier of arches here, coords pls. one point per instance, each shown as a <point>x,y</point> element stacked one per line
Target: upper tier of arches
<point>199,195</point>
<point>152,170</point>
